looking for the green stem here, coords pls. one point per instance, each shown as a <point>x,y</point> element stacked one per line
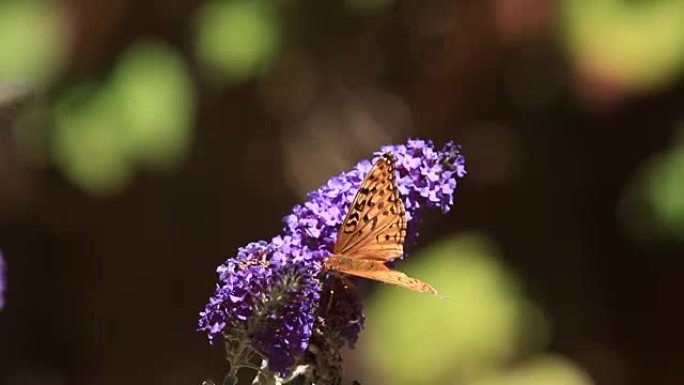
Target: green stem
<point>235,357</point>
<point>242,352</point>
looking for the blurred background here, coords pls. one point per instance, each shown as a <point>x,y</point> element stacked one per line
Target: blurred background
<point>142,143</point>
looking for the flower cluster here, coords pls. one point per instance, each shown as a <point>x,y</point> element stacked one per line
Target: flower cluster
<point>267,295</point>
<point>274,296</point>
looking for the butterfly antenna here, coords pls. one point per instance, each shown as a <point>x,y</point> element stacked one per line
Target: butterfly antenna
<point>332,294</point>
<point>309,232</point>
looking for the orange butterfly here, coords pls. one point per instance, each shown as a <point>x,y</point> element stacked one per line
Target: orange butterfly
<point>373,231</point>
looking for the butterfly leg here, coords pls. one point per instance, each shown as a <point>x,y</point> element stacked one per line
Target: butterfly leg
<point>347,282</point>
<point>332,295</point>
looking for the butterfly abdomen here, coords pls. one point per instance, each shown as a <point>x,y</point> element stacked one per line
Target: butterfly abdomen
<point>342,263</point>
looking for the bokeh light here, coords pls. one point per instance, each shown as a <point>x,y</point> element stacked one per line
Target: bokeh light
<point>666,191</point>
<point>652,206</point>
<point>634,45</point>
<point>475,328</point>
<point>157,104</point>
<point>140,116</point>
<point>88,143</point>
<point>32,41</point>
<point>236,39</point>
<point>544,369</point>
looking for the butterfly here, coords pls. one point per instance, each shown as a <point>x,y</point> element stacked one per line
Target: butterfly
<point>373,231</point>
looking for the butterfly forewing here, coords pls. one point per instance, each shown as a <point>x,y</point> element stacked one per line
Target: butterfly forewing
<point>374,229</point>
<point>375,225</point>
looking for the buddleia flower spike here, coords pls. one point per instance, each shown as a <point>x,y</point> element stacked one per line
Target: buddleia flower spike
<point>373,230</point>
<point>280,306</point>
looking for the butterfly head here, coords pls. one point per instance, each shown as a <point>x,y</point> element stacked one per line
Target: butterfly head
<point>388,158</point>
<point>330,262</point>
<point>451,155</point>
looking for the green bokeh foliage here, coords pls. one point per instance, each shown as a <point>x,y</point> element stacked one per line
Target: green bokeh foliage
<point>475,328</point>
<point>140,116</point>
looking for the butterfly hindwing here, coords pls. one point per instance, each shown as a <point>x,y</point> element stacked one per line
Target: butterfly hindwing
<point>378,271</point>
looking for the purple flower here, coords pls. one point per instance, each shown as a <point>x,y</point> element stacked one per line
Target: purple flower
<point>284,334</point>
<point>271,294</point>
<point>268,294</point>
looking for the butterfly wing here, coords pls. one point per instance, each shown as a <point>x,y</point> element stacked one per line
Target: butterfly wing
<point>378,271</point>
<point>374,229</point>
<point>375,225</point>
